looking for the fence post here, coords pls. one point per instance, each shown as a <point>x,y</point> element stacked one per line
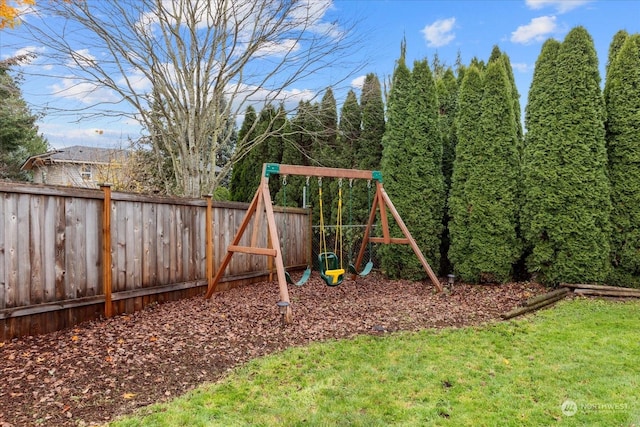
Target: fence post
<point>310,234</point>
<point>209,241</point>
<point>106,249</point>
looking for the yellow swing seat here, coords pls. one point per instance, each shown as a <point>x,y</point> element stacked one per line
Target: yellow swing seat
<point>330,270</point>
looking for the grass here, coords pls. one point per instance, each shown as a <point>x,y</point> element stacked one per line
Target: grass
<point>508,374</point>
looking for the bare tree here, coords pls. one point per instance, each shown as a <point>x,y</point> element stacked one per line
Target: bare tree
<point>185,69</point>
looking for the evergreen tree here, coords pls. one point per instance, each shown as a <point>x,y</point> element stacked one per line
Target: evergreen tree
<point>616,44</point>
<point>241,186</point>
<point>623,144</point>
<point>491,189</point>
<point>536,161</point>
<point>19,137</point>
<point>325,149</point>
<point>566,204</point>
<point>447,90</point>
<point>368,150</point>
<point>517,109</point>
<point>468,130</point>
<point>299,149</point>
<point>412,167</point>
<point>349,130</point>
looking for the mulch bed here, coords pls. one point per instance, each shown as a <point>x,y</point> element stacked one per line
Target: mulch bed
<point>99,370</point>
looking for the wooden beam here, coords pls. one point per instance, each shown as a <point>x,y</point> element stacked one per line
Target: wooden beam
<point>607,293</point>
<point>236,240</point>
<point>252,250</point>
<point>273,232</point>
<point>599,287</point>
<point>209,241</point>
<point>384,221</point>
<point>257,222</point>
<point>324,172</point>
<point>396,240</point>
<point>106,250</point>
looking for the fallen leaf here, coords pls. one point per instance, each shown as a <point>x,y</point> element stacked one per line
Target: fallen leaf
<point>74,338</point>
<point>152,339</point>
<point>128,395</point>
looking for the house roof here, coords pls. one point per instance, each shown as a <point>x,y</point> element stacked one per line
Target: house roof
<point>76,154</point>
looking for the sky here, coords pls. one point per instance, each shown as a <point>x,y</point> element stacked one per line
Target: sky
<point>443,28</point>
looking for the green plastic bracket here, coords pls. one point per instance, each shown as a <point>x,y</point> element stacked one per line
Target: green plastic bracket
<point>271,169</point>
<point>377,175</point>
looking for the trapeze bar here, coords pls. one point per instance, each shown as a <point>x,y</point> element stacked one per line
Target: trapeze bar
<point>278,169</point>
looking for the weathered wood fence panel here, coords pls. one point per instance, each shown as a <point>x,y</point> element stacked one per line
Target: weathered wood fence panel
<point>51,272</point>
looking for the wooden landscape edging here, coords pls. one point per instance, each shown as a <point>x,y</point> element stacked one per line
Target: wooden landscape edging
<point>536,303</point>
<point>604,290</point>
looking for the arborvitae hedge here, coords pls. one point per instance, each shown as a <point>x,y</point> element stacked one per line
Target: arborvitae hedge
<point>243,185</point>
<point>491,188</point>
<point>566,204</point>
<point>468,130</point>
<point>623,145</point>
<point>349,129</point>
<point>367,150</point>
<point>447,89</point>
<point>412,168</point>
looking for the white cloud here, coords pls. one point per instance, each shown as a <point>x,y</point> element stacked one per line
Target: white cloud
<point>537,30</point>
<point>280,49</point>
<point>358,82</point>
<point>521,67</point>
<point>61,134</point>
<point>29,50</point>
<point>81,58</point>
<point>561,6</point>
<point>137,80</point>
<point>84,92</point>
<point>440,32</point>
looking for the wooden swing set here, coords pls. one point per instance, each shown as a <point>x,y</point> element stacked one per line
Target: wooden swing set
<point>261,206</point>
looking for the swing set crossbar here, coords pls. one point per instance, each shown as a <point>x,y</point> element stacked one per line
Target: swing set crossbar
<point>320,172</point>
<point>262,204</point>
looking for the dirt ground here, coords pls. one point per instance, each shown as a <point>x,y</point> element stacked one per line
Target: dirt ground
<point>99,370</point>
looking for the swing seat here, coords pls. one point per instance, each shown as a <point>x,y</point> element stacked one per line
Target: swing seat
<point>366,270</point>
<point>303,279</point>
<point>333,277</point>
<point>330,270</point>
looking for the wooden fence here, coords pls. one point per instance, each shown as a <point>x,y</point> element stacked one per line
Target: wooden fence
<point>64,252</point>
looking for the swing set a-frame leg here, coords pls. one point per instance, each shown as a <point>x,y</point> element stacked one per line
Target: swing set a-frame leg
<point>261,203</point>
<point>382,201</point>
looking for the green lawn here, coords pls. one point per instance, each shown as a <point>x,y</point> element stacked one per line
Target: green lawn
<point>510,373</point>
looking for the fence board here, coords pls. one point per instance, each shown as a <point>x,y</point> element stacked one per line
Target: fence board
<point>178,239</point>
<point>3,252</point>
<point>146,244</point>
<point>171,267</point>
<point>119,243</point>
<point>23,293</point>
<point>11,249</point>
<point>93,244</point>
<point>51,258</point>
<point>49,248</point>
<point>61,244</point>
<point>36,214</point>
